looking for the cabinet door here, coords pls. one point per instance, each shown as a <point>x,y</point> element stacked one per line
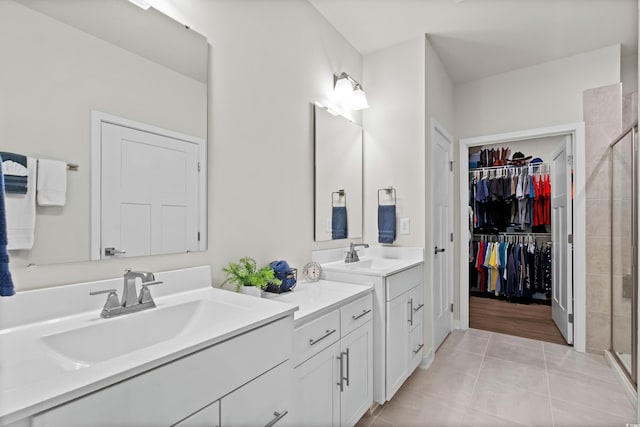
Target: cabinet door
<point>397,343</point>
<point>265,401</point>
<point>416,348</point>
<point>357,369</point>
<point>316,390</point>
<point>206,417</point>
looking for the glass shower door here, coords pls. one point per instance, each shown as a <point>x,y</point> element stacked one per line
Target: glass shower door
<point>623,226</point>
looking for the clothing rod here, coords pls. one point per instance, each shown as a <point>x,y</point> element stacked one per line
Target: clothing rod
<point>514,234</point>
<point>72,167</point>
<point>490,168</point>
<point>624,133</point>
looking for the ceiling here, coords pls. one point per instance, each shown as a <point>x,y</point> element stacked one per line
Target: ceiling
<point>479,38</point>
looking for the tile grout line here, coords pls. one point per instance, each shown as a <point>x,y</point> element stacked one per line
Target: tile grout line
<point>546,371</point>
<point>473,390</point>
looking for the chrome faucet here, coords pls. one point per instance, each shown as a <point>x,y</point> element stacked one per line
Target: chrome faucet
<point>131,302</point>
<point>352,254</point>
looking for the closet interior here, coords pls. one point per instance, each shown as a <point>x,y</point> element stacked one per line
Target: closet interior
<point>511,244</point>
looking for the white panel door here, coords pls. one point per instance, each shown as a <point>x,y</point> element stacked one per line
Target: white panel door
<point>357,365</point>
<point>561,228</point>
<point>441,253</point>
<point>149,203</point>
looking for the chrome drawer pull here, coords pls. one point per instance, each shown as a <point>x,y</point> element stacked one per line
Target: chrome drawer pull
<point>417,350</point>
<point>341,383</point>
<point>348,362</point>
<point>356,317</point>
<point>326,334</point>
<point>418,307</point>
<point>278,417</point>
<point>410,302</point>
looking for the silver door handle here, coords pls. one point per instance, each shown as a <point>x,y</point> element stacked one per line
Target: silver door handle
<point>326,334</point>
<point>341,383</point>
<point>114,251</point>
<point>364,312</point>
<point>418,349</point>
<point>439,250</point>
<point>418,307</point>
<point>410,302</point>
<point>278,417</point>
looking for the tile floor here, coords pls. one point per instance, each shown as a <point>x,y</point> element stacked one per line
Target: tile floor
<point>481,378</point>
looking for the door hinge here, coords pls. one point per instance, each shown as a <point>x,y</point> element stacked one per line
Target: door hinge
<point>452,307</point>
<point>570,318</point>
<point>570,160</point>
<point>198,236</point>
<point>198,166</point>
<point>570,239</point>
<point>450,165</point>
<point>451,237</point>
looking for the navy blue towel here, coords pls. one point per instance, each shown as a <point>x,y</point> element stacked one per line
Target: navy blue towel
<point>6,282</point>
<point>339,222</point>
<point>386,223</point>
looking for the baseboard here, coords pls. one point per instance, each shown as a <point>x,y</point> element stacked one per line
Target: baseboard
<point>457,324</point>
<point>427,359</point>
<point>628,386</point>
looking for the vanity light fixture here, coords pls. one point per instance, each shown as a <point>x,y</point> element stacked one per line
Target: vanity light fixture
<point>350,92</point>
<point>142,4</point>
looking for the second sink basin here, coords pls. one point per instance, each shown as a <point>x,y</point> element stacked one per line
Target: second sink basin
<point>109,338</point>
<point>373,264</point>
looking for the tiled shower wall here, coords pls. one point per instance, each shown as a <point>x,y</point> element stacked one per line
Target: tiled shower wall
<point>602,113</point>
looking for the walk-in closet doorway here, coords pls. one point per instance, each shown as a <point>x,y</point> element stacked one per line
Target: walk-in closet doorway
<point>565,230</point>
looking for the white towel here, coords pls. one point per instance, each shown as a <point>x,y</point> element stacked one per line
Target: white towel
<point>52,182</point>
<point>9,167</point>
<point>21,213</point>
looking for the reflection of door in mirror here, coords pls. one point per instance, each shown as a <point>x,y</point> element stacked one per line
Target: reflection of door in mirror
<point>338,176</point>
<point>150,192</point>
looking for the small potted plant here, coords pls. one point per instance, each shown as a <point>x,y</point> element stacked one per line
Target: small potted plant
<point>248,278</point>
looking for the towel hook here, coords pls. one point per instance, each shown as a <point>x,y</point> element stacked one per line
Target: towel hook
<point>390,192</point>
<point>340,194</point>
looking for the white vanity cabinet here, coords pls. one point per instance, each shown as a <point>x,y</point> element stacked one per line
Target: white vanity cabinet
<point>398,338</point>
<point>334,374</point>
<point>243,381</point>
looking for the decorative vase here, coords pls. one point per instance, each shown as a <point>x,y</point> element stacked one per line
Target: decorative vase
<point>251,290</point>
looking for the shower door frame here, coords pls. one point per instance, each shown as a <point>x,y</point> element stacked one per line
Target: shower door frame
<point>633,375</point>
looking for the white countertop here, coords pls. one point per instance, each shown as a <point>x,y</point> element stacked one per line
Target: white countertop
<point>314,299</point>
<point>375,260</point>
<point>33,378</point>
<point>354,268</point>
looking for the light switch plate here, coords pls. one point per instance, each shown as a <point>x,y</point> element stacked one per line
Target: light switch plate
<point>405,226</point>
<point>327,225</point>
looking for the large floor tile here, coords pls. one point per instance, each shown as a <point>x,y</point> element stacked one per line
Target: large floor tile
<point>567,414</point>
<point>475,418</point>
<point>459,361</point>
<point>500,349</point>
<point>591,392</point>
<point>512,403</point>
<point>517,341</point>
<point>443,383</point>
<point>530,377</point>
<point>469,342</point>
<point>408,408</point>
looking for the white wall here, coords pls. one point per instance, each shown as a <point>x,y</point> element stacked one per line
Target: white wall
<point>629,73</point>
<point>269,62</point>
<point>541,95</point>
<point>394,79</point>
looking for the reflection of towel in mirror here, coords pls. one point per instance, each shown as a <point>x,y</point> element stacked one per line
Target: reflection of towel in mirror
<point>21,213</point>
<point>339,222</point>
<point>52,182</point>
<point>14,169</point>
<point>386,223</point>
<point>6,283</point>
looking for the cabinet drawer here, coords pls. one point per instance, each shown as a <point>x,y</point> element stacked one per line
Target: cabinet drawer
<point>416,348</point>
<point>309,339</point>
<point>355,314</point>
<point>399,283</point>
<point>265,401</point>
<point>416,297</point>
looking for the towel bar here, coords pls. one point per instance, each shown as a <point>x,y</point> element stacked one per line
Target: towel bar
<point>388,190</point>
<point>340,194</point>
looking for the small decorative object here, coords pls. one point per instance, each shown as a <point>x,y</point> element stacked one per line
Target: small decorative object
<point>287,276</point>
<point>312,271</point>
<point>247,277</point>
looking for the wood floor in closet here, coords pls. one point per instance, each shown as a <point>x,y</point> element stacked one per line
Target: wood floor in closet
<point>522,320</point>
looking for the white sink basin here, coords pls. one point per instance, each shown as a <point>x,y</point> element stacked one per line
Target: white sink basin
<point>110,338</point>
<point>373,264</point>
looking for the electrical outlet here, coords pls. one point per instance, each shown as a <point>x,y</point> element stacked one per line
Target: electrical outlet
<point>405,226</point>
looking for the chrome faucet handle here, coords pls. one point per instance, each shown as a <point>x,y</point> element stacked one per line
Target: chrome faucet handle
<point>112,301</point>
<point>145,293</point>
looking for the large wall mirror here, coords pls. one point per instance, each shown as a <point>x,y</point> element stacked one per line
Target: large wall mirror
<point>338,176</point>
<point>65,60</point>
